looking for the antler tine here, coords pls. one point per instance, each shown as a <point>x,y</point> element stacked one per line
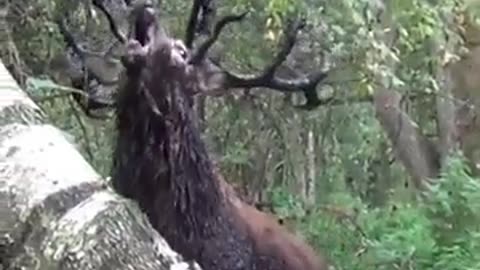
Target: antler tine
<point>202,51</point>
<point>267,79</point>
<point>291,32</point>
<point>192,24</point>
<point>111,22</point>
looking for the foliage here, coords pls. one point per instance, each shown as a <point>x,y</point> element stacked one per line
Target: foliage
<point>441,232</point>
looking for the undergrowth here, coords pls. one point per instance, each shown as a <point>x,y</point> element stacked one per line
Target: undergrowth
<point>439,231</point>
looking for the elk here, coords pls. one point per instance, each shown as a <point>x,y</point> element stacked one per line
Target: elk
<point>161,162</point>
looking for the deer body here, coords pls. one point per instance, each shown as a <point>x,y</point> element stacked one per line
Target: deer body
<point>161,162</point>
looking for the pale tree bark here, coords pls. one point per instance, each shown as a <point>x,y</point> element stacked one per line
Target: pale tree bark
<point>465,91</point>
<point>446,114</point>
<point>55,210</point>
<point>466,82</point>
<point>412,148</point>
<point>295,146</point>
<point>445,45</point>
<point>311,172</point>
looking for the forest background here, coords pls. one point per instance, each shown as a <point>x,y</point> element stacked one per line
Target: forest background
<point>379,170</point>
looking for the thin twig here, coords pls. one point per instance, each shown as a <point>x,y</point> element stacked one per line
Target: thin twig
<point>49,98</point>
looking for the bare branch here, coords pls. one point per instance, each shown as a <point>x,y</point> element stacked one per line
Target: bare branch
<point>92,71</point>
<point>202,51</point>
<point>113,26</point>
<point>69,39</point>
<point>78,51</point>
<point>88,81</point>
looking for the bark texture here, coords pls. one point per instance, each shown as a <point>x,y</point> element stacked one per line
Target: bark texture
<point>55,210</point>
<point>464,89</point>
<point>413,149</point>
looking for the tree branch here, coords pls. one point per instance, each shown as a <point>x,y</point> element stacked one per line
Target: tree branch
<point>86,78</point>
<point>69,39</point>
<point>90,71</point>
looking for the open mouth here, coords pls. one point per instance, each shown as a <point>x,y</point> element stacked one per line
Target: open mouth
<point>144,25</point>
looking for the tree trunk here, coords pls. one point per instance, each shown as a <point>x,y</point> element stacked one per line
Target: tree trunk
<point>311,174</point>
<point>296,145</point>
<point>443,45</point>
<point>466,82</point>
<point>446,112</point>
<point>55,210</point>
<point>412,148</point>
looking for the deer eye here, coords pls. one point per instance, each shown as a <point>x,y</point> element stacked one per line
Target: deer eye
<point>181,49</point>
<point>183,53</point>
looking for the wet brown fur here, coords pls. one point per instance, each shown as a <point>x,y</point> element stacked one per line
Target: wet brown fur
<point>269,236</point>
<point>161,162</point>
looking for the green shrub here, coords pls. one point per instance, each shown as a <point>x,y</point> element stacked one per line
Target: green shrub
<point>440,231</point>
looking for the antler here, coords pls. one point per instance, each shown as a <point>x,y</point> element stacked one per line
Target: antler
<point>206,9</point>
<point>202,9</point>
<point>192,24</point>
<point>111,22</point>
<point>202,51</point>
<point>267,79</point>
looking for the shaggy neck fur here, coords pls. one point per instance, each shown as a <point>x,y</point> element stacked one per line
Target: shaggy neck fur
<point>161,162</point>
